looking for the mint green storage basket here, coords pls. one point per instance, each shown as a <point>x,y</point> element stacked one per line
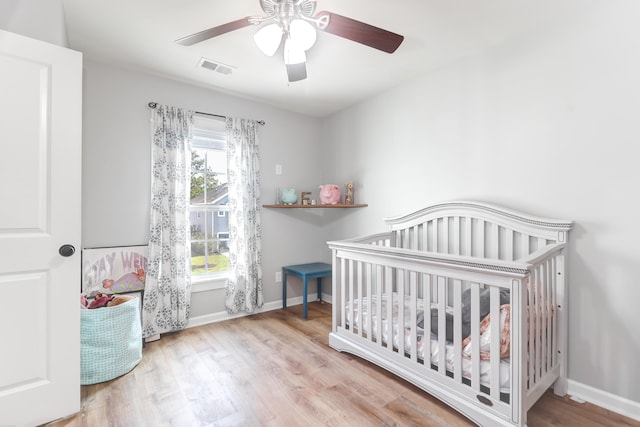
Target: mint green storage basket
<point>110,341</point>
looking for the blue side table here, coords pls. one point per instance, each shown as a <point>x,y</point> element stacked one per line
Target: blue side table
<point>315,270</point>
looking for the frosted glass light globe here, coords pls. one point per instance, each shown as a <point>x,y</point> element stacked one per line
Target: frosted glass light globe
<point>268,38</point>
<point>302,33</point>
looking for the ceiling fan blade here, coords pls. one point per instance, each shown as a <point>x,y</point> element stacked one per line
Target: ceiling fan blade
<point>214,32</point>
<point>360,32</point>
<point>296,72</point>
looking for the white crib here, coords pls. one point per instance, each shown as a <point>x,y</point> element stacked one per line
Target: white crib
<point>417,299</point>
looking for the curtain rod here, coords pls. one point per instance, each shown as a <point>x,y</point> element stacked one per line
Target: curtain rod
<point>155,104</point>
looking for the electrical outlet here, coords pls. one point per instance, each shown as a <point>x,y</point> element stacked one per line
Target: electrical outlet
<point>278,276</point>
<point>278,169</point>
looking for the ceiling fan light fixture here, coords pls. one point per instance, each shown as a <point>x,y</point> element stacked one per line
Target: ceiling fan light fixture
<point>298,23</point>
<point>302,33</point>
<point>268,39</point>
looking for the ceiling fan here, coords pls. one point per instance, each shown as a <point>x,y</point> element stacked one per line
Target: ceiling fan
<point>296,22</point>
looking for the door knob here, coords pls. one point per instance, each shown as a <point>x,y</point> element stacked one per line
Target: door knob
<point>66,250</point>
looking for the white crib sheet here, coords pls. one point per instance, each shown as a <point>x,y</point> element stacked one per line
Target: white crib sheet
<point>450,359</point>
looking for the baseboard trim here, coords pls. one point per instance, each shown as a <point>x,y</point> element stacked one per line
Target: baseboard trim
<point>275,305</point>
<point>606,400</point>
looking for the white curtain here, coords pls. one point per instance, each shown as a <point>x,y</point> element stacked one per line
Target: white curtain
<point>167,294</point>
<point>244,289</point>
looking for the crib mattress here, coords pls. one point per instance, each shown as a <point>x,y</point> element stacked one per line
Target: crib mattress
<point>433,347</point>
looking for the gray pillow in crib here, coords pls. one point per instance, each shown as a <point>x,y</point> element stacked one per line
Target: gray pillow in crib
<point>466,312</point>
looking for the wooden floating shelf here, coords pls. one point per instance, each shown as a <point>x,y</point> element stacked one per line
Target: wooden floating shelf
<point>298,206</point>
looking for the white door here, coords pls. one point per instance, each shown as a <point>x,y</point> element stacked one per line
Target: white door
<point>40,172</point>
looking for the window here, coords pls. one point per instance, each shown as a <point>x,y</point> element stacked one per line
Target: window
<point>209,197</point>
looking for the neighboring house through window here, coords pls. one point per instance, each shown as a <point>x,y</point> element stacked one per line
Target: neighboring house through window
<point>209,221</point>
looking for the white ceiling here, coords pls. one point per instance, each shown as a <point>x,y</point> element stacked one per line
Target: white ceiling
<point>141,34</point>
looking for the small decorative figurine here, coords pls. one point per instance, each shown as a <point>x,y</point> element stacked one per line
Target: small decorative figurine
<point>348,197</point>
<point>304,197</point>
<point>329,194</point>
<point>289,196</point>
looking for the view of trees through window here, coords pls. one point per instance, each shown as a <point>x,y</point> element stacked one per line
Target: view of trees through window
<point>209,221</point>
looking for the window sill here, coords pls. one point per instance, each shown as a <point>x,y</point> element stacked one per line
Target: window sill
<point>205,284</point>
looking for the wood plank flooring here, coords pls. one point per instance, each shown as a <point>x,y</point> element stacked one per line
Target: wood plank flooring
<point>276,369</point>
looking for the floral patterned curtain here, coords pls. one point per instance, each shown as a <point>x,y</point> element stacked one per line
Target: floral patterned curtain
<point>244,289</point>
<point>167,294</point>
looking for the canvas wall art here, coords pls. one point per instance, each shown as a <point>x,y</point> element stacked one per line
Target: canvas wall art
<point>114,269</point>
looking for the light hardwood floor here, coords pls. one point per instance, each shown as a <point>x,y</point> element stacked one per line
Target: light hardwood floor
<point>276,369</point>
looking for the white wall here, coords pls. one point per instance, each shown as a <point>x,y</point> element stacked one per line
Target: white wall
<point>116,169</point>
<point>38,19</point>
<point>548,124</point>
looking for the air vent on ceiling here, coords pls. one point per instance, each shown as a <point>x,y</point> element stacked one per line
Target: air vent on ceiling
<point>218,67</point>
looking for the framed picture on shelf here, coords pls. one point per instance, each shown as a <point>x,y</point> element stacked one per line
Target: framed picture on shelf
<point>118,269</point>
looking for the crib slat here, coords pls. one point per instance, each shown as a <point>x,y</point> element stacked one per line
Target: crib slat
<point>457,330</point>
<point>442,369</point>
<point>538,322</point>
<point>351,299</point>
<point>359,297</point>
<point>541,316</point>
<point>554,313</point>
<point>389,319</point>
<point>551,311</point>
<point>435,238</point>
<point>546,318</point>
<point>413,315</point>
<point>379,286</point>
<point>427,289</point>
<point>401,284</point>
<point>475,336</point>
<point>336,319</point>
<point>544,282</point>
<point>369,296</point>
<point>343,279</point>
<point>496,333</point>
